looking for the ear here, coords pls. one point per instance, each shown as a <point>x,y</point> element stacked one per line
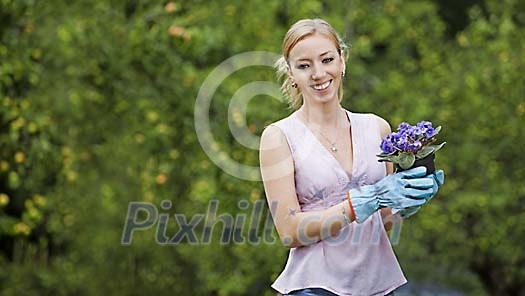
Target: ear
<point>289,71</point>
<point>342,56</point>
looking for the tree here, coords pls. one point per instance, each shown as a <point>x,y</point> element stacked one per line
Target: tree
<point>98,111</point>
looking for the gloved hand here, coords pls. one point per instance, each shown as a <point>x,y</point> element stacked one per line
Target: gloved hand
<point>439,180</point>
<point>397,191</point>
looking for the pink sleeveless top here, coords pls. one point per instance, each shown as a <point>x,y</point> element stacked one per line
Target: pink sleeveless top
<point>359,260</point>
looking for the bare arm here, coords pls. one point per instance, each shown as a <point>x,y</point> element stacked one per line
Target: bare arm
<point>295,228</point>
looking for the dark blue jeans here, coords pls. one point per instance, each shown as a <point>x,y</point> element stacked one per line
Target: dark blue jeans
<point>317,292</point>
<point>311,292</point>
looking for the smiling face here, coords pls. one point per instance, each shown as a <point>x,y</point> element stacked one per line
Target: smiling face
<point>316,66</point>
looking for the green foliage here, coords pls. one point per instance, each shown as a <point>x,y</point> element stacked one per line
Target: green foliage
<point>96,111</point>
<point>405,160</point>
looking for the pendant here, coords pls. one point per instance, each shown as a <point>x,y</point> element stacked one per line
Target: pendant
<point>334,149</point>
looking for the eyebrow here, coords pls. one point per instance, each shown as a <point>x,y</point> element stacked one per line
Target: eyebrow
<point>306,59</point>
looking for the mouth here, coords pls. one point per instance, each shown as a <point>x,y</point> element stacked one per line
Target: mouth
<point>322,86</point>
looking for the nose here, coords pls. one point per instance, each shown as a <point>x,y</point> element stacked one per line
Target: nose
<point>318,72</point>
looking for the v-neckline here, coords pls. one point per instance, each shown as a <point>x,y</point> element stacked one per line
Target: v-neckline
<point>350,174</point>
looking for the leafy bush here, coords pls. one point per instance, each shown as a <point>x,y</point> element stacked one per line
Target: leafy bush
<point>97,104</point>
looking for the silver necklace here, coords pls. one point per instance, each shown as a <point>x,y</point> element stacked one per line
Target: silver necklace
<point>333,144</point>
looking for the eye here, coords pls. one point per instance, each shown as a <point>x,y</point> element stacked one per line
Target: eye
<point>302,66</point>
<point>327,60</point>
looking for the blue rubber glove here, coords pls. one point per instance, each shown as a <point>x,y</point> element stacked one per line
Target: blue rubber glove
<point>397,191</point>
<point>439,180</point>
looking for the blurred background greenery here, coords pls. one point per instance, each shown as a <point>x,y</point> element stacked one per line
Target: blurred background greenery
<point>96,111</point>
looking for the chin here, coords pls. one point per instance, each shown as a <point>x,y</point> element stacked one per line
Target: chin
<point>325,98</point>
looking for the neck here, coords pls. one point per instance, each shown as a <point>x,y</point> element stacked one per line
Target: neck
<point>328,115</point>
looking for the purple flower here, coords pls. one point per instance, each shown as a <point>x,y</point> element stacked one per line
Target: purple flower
<point>395,137</point>
<point>386,145</point>
<point>424,124</point>
<point>430,132</point>
<point>400,141</point>
<point>403,126</point>
<point>409,140</point>
<point>426,128</point>
<point>415,131</point>
<point>414,146</point>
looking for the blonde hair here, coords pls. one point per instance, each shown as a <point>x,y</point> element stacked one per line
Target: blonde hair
<point>296,33</point>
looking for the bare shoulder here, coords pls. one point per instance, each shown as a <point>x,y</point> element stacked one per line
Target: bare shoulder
<point>277,166</point>
<point>273,136</point>
<point>273,147</point>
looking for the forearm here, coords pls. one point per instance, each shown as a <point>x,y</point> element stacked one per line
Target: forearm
<point>388,218</point>
<point>385,212</point>
<point>313,226</point>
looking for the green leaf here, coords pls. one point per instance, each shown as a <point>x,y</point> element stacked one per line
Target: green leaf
<point>436,130</point>
<point>425,151</point>
<point>382,154</point>
<point>437,147</point>
<point>406,160</point>
<point>387,158</point>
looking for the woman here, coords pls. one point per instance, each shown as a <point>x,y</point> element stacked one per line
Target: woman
<point>327,191</point>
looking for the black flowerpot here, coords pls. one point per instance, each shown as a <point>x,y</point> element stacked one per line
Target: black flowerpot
<point>427,162</point>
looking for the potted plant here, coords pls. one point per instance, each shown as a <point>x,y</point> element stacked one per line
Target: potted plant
<point>411,146</point>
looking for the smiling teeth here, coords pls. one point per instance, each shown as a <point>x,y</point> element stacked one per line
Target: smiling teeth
<point>322,86</point>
